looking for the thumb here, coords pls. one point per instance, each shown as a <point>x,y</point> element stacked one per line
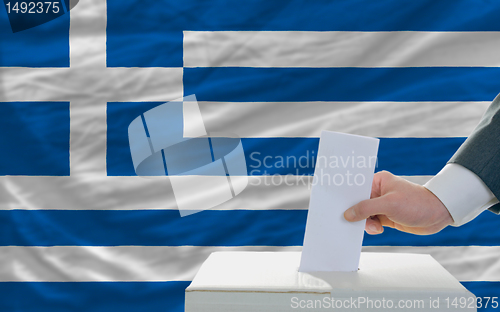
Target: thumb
<point>367,208</point>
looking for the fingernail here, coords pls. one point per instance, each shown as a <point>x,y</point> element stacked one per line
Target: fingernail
<point>351,214</point>
<point>373,228</point>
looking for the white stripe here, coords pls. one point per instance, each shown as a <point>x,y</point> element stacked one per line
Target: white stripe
<point>466,263</point>
<point>110,84</point>
<point>122,263</point>
<point>127,193</point>
<point>162,263</point>
<point>340,49</point>
<point>87,35</point>
<point>377,119</point>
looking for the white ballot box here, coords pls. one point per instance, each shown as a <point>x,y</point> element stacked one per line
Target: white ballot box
<point>271,282</point>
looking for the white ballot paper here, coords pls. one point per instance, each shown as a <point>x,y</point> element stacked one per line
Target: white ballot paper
<point>343,176</point>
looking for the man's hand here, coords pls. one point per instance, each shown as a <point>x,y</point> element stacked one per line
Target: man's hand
<point>400,204</point>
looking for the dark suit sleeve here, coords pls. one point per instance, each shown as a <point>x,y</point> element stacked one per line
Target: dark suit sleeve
<point>480,153</point>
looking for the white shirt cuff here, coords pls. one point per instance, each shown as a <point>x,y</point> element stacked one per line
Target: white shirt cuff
<point>462,192</point>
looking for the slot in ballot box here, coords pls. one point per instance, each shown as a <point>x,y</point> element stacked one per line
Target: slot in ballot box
<point>271,282</point>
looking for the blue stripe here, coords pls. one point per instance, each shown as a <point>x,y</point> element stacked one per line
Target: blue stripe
<point>129,296</point>
<point>150,34</point>
<point>151,48</point>
<point>319,15</point>
<point>484,289</point>
<point>46,45</point>
<point>402,156</point>
<point>243,84</point>
<point>35,138</point>
<point>92,296</point>
<point>207,228</point>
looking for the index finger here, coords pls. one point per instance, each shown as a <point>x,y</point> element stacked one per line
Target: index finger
<point>367,208</point>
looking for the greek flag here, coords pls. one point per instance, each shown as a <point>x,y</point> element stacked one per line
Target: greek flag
<point>81,231</point>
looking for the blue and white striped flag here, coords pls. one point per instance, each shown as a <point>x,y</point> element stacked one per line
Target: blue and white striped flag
<point>80,231</point>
